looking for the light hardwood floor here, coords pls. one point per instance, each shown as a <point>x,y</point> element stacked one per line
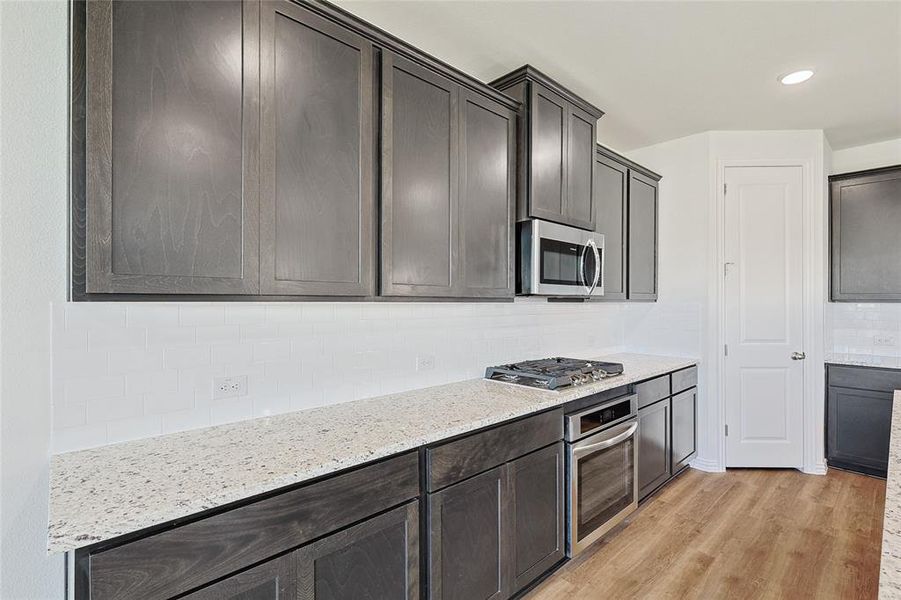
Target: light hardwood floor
<point>740,534</point>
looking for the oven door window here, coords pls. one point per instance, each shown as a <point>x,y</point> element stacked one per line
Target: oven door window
<point>606,485</point>
<point>560,263</point>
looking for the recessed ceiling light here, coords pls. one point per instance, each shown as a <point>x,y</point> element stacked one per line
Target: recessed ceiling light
<point>796,77</point>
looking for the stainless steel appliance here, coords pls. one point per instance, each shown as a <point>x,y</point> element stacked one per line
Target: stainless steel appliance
<point>557,260</point>
<point>602,466</point>
<point>554,373</point>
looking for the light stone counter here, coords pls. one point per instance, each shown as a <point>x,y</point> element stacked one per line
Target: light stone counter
<point>864,360</point>
<point>98,494</point>
<point>890,569</point>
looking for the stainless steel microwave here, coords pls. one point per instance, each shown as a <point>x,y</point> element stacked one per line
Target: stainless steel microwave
<point>557,260</point>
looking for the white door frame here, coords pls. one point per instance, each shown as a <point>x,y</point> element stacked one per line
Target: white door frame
<point>813,297</point>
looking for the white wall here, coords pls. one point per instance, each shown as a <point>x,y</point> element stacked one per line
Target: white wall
<point>676,323</point>
<point>126,371</point>
<point>33,54</point>
<point>690,265</point>
<point>870,156</point>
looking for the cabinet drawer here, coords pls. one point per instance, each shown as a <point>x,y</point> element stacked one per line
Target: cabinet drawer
<point>865,378</point>
<point>177,560</point>
<point>652,390</point>
<point>684,379</point>
<point>457,460</point>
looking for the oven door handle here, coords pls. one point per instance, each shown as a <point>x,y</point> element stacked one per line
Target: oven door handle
<point>616,439</point>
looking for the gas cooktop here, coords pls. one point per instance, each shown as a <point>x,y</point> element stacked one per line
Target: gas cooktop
<point>554,373</point>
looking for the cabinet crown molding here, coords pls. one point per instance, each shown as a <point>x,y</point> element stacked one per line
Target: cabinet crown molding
<point>529,73</point>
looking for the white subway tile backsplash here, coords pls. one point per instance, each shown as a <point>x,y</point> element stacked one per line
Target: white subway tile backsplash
<point>231,354</point>
<point>150,367</point>
<point>82,389</point>
<point>152,315</point>
<point>135,360</point>
<point>161,403</point>
<point>201,315</point>
<point>186,419</point>
<point>187,357</point>
<point>123,430</point>
<point>108,409</point>
<point>271,351</point>
<point>229,411</point>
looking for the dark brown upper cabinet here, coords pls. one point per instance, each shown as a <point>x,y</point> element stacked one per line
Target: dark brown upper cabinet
<point>626,213</point>
<point>865,248</point>
<point>447,186</point>
<point>317,200</point>
<point>557,140</point>
<point>171,132</point>
<point>233,149</point>
<point>642,237</point>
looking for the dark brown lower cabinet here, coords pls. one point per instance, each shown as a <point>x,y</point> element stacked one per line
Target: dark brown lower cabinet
<point>495,533</point>
<point>536,484</point>
<point>684,407</point>
<point>272,580</point>
<point>375,560</point>
<point>467,551</point>
<point>654,466</point>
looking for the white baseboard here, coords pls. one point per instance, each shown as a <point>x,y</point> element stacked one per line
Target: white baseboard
<point>710,466</point>
<point>815,469</point>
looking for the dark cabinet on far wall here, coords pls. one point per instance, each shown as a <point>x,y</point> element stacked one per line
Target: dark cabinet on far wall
<point>448,187</point>
<point>865,247</point>
<point>626,212</point>
<point>859,417</point>
<point>557,138</point>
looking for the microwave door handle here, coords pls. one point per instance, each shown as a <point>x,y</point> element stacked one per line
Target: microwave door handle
<point>597,266</point>
<point>582,268</point>
<point>608,442</point>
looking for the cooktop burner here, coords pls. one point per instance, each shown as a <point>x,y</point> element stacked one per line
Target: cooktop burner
<point>554,373</point>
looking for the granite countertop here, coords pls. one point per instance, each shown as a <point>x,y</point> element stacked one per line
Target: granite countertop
<point>98,494</point>
<point>864,360</point>
<point>890,568</point>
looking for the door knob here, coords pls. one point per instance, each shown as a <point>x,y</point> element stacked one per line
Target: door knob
<point>798,356</point>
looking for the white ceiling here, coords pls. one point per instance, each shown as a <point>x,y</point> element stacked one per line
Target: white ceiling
<point>663,70</point>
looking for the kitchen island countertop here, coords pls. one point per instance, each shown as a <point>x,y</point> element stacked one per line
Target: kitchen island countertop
<point>890,567</point>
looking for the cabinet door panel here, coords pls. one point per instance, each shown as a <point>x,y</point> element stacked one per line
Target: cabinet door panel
<point>419,169</point>
<point>547,192</point>
<point>171,147</point>
<point>653,447</point>
<point>272,580</point>
<point>866,253</point>
<point>487,194</point>
<point>316,155</point>
<point>642,237</point>
<point>858,429</point>
<point>536,504</point>
<point>468,560</point>
<point>376,560</point>
<point>580,167</point>
<point>684,431</point>
<point>610,205</point>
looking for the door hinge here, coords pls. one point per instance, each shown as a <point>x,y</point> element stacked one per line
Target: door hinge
<point>727,430</point>
<point>725,349</point>
<point>725,186</point>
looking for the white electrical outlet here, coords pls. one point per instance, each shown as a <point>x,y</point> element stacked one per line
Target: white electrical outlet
<point>883,339</point>
<point>426,362</point>
<point>229,387</point>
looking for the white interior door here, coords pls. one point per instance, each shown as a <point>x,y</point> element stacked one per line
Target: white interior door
<point>764,385</point>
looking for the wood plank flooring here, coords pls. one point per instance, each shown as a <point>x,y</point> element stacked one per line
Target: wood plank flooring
<point>740,534</point>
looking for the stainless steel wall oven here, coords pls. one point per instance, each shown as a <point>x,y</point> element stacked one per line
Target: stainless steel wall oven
<point>601,449</point>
